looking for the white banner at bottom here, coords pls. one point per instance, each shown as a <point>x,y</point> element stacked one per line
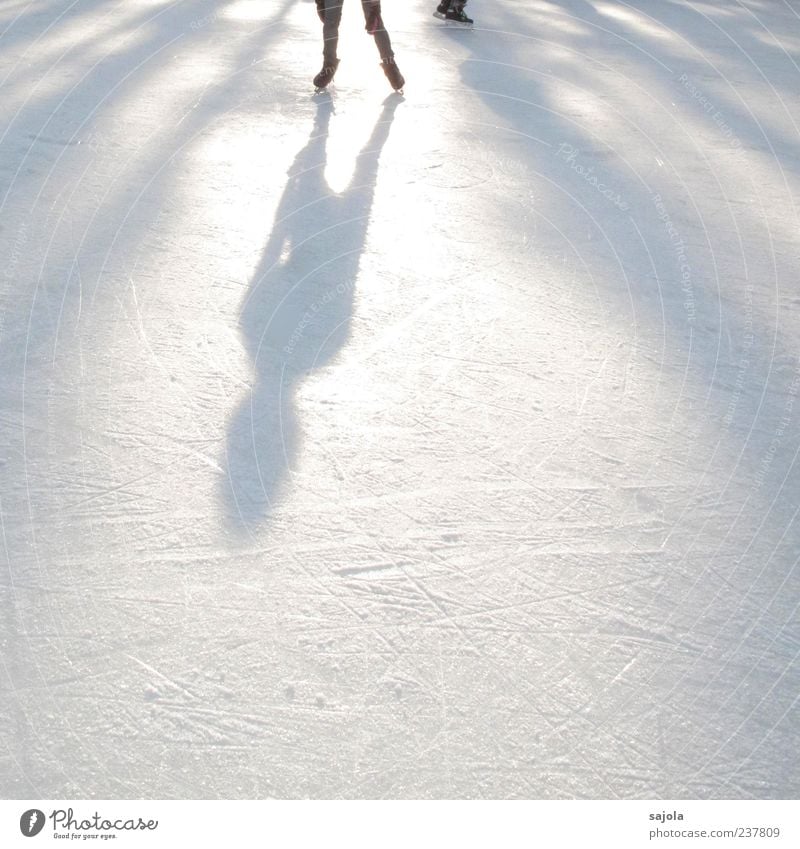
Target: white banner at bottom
<point>402,824</point>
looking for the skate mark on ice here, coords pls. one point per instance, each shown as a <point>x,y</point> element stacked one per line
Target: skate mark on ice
<point>172,684</point>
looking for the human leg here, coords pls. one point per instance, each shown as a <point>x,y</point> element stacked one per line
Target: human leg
<point>331,18</point>
<point>375,27</point>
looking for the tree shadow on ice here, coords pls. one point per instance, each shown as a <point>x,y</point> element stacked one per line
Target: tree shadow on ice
<point>71,77</point>
<point>681,257</point>
<point>296,315</point>
<point>648,227</point>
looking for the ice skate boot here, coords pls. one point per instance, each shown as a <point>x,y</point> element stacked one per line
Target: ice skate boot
<point>396,79</point>
<point>457,16</point>
<point>441,9</point>
<point>325,76</point>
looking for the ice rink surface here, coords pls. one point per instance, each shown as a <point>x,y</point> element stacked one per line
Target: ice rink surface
<point>357,445</point>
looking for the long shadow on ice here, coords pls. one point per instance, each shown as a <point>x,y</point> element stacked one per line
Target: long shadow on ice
<point>296,314</point>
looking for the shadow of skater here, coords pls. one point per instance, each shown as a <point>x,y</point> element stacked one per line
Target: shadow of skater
<point>296,315</point>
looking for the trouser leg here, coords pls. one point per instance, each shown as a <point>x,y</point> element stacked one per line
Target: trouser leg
<point>332,16</point>
<point>374,26</point>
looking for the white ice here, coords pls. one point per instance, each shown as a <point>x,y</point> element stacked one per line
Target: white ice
<point>359,445</point>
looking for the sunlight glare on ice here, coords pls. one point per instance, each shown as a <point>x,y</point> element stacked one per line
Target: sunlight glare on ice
<point>634,20</point>
<point>247,10</point>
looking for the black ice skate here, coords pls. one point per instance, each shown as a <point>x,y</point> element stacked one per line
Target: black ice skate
<point>393,74</point>
<point>458,16</point>
<point>325,76</point>
<point>454,15</point>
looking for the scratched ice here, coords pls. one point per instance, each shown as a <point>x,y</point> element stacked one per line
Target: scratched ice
<point>365,446</point>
